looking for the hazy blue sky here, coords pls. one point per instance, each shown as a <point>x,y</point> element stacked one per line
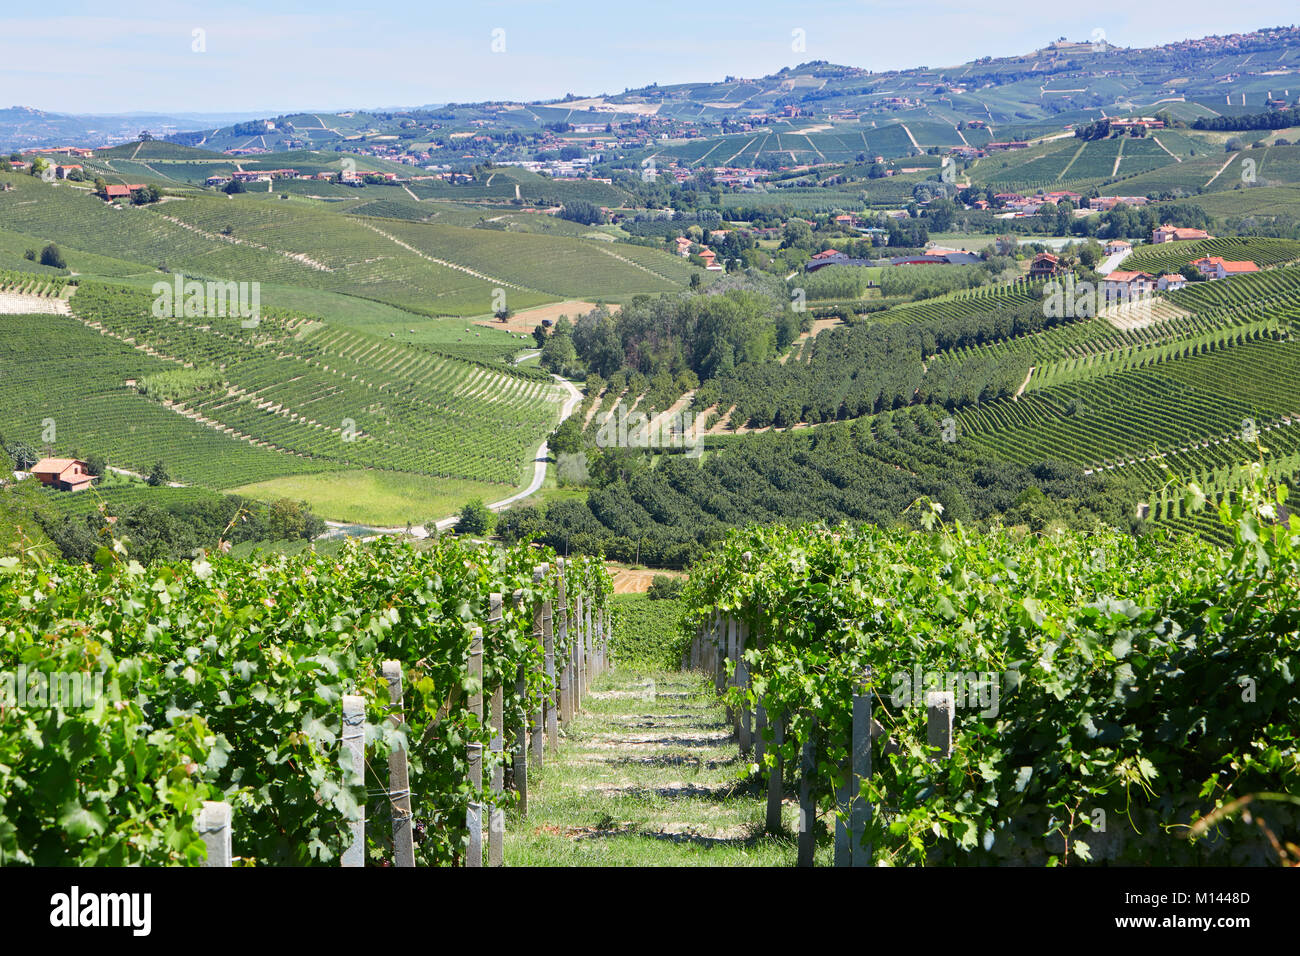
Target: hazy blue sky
<point>274,56</point>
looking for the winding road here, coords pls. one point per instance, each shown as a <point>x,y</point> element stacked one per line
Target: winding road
<point>539,463</point>
<point>539,476</point>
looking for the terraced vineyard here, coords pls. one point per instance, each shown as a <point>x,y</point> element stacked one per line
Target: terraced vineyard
<point>433,270</point>
<point>1274,285</point>
<point>336,397</point>
<point>1171,256</point>
<point>31,283</point>
<point>1123,416</point>
<point>59,370</point>
<point>970,302</point>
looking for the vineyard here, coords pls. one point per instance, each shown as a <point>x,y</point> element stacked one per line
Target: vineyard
<point>271,695</point>
<point>949,698</point>
<point>1172,256</point>
<point>335,397</point>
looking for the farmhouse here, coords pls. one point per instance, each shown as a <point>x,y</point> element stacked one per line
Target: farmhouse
<point>114,191</point>
<point>1118,245</point>
<point>1169,233</point>
<point>65,474</point>
<point>1107,203</point>
<point>1045,264</point>
<point>1171,281</point>
<point>708,255</point>
<point>1123,283</point>
<point>1217,267</point>
<point>63,172</point>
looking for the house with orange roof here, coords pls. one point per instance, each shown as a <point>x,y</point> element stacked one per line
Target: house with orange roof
<point>1167,233</point>
<point>65,474</point>
<point>1217,267</point>
<point>1123,282</point>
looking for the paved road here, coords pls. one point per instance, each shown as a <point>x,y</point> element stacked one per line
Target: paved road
<point>539,464</point>
<point>539,476</point>
<point>1112,262</point>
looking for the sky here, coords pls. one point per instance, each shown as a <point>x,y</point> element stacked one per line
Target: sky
<point>272,56</point>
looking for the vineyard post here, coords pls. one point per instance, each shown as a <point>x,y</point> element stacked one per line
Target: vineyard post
<point>745,727</point>
<point>558,626</point>
<point>939,705</point>
<point>576,652</point>
<point>590,667</point>
<point>843,797</point>
<point>474,813</point>
<point>541,633</point>
<point>353,757</point>
<point>519,765</point>
<point>496,816</point>
<point>860,809</point>
<point>807,804</point>
<point>760,710</point>
<point>399,784</point>
<point>775,783</point>
<point>214,826</point>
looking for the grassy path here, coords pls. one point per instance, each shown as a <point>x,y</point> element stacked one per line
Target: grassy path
<point>648,777</point>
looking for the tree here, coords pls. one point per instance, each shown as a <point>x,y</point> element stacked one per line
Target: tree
<point>475,518</point>
<point>525,523</point>
<point>51,256</point>
<point>232,187</point>
<point>23,454</point>
<point>97,465</point>
<point>581,211</point>
<point>146,195</point>
<point>285,520</point>
<point>567,439</point>
<point>158,475</point>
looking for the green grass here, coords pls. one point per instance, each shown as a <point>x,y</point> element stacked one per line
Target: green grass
<point>374,497</point>
<point>648,776</point>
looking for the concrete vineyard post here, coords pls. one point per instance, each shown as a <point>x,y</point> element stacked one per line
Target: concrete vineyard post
<point>399,784</point>
<point>353,756</point>
<point>545,713</point>
<point>860,809</point>
<point>578,650</point>
<point>775,784</point>
<point>497,816</point>
<point>519,749</point>
<point>807,805</point>
<point>939,705</point>
<point>214,826</point>
<point>558,626</point>
<point>474,814</point>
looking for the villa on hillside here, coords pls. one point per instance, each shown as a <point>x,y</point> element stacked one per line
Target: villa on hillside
<point>65,474</point>
<point>1217,267</point>
<point>1118,245</point>
<point>1169,233</point>
<point>1171,282</point>
<point>1124,283</point>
